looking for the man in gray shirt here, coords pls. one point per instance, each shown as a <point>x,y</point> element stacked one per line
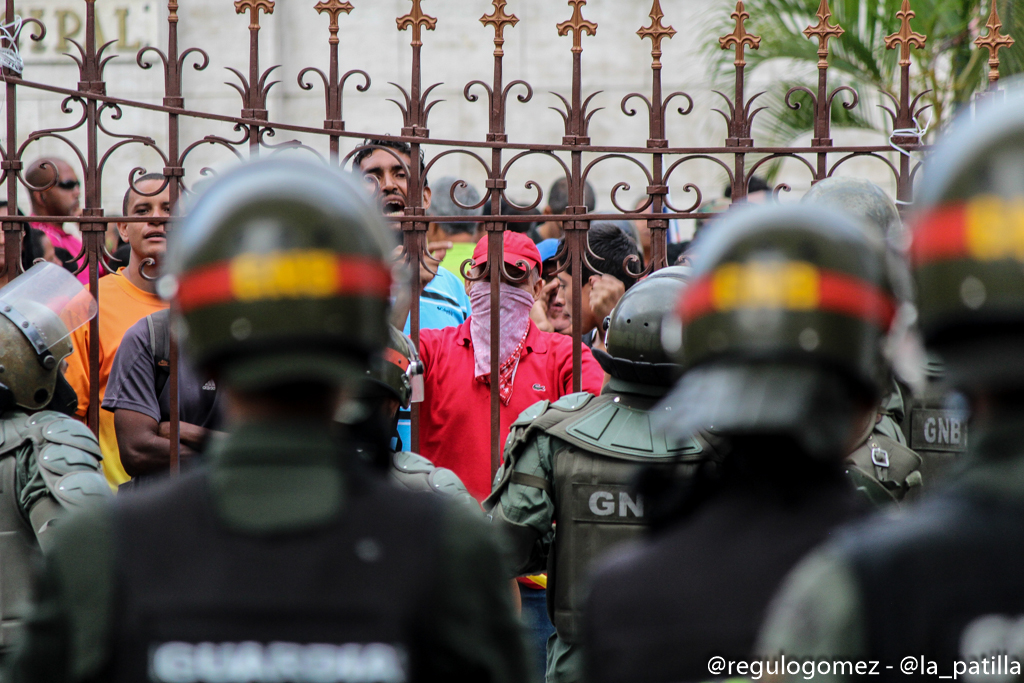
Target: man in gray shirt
<point>138,393</point>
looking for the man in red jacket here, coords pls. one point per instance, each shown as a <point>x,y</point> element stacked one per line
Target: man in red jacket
<point>455,422</point>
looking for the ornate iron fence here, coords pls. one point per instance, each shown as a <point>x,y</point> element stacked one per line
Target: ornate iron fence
<point>576,154</point>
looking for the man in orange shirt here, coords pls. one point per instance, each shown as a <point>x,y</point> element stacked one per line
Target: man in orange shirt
<point>124,298</point>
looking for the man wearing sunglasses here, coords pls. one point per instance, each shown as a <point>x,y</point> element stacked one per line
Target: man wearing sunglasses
<point>60,199</point>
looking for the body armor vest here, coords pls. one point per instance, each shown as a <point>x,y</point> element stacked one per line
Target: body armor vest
<point>68,460</point>
<point>339,602</point>
<point>603,442</point>
<point>945,587</point>
<point>939,435</point>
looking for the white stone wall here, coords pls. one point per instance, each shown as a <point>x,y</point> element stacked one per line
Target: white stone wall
<point>458,51</point>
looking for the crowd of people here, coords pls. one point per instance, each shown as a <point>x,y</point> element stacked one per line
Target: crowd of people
<point>720,497</point>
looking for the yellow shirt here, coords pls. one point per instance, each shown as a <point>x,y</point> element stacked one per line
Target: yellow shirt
<point>459,252</point>
<point>121,305</point>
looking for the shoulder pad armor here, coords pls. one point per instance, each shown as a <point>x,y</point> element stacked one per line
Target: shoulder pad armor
<point>59,459</point>
<point>77,490</point>
<point>47,428</point>
<point>411,463</point>
<point>446,482</point>
<point>573,401</point>
<point>531,413</point>
<point>70,432</point>
<point>620,427</point>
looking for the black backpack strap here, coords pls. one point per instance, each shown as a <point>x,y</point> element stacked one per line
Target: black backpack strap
<point>160,346</point>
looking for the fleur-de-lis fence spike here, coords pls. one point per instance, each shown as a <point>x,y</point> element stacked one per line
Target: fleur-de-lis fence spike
<point>578,25</point>
<point>739,38</point>
<point>993,42</point>
<point>333,8</point>
<point>822,31</point>
<point>499,20</point>
<point>417,19</point>
<point>656,32</point>
<point>253,7</point>
<point>906,37</point>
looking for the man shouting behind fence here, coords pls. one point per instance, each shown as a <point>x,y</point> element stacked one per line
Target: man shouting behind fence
<point>284,560</point>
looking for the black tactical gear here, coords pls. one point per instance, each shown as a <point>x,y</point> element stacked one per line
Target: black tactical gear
<point>967,249</point>
<point>566,492</point>
<point>939,584</point>
<point>235,598</point>
<point>281,274</point>
<point>282,559</point>
<point>783,327</point>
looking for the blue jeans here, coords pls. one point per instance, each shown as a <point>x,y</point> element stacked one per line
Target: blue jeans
<point>538,626</point>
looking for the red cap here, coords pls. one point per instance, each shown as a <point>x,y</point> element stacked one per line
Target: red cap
<point>517,247</point>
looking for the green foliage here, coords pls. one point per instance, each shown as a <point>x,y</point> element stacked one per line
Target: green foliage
<point>950,65</point>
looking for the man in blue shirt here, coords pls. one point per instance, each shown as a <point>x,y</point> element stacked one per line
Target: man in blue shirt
<point>384,165</point>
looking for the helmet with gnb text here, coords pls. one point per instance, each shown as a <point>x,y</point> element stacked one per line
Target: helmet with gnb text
<point>967,248</point>
<point>784,324</point>
<point>280,272</point>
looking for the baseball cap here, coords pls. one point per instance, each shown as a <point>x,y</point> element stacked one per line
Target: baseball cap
<point>547,248</point>
<point>517,247</point>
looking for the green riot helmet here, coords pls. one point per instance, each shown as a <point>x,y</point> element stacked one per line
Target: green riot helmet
<point>784,324</point>
<point>867,203</point>
<point>967,249</point>
<point>398,370</point>
<point>281,274</point>
<point>38,312</point>
<point>861,199</point>
<point>635,355</point>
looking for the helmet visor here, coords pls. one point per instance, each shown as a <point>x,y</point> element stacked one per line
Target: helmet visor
<point>50,300</point>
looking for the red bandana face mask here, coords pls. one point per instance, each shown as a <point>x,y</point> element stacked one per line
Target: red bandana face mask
<point>515,307</point>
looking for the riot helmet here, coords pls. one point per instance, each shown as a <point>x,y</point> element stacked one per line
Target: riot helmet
<point>38,312</point>
<point>861,199</point>
<point>967,249</point>
<point>397,370</point>
<point>784,324</point>
<point>280,272</point>
<point>636,359</point>
<point>875,211</point>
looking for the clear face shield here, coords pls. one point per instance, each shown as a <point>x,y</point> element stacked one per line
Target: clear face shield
<point>47,304</point>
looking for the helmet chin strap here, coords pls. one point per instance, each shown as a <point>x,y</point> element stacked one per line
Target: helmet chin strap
<point>6,398</point>
<point>64,399</point>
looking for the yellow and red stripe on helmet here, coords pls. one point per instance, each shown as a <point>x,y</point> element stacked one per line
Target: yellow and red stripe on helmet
<point>984,228</point>
<point>786,285</point>
<point>294,274</point>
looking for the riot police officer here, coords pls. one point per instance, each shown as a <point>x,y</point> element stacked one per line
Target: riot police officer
<point>940,584</point>
<point>572,463</point>
<point>782,327</point>
<point>284,560</point>
<point>49,462</point>
<point>395,380</point>
<point>881,466</point>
